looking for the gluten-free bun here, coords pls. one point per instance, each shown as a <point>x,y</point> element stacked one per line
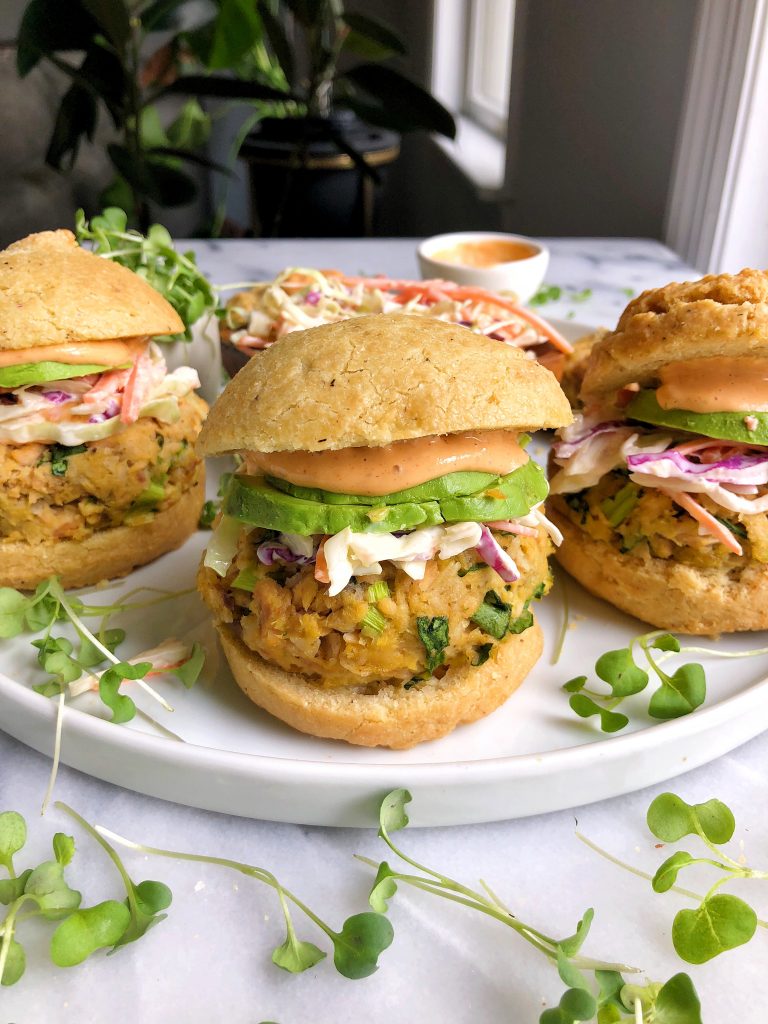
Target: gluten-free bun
<point>52,291</point>
<point>373,380</point>
<point>718,315</point>
<point>667,594</point>
<point>107,553</point>
<point>386,715</point>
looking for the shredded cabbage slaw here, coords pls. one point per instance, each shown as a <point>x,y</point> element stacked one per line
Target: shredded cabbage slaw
<point>302,297</point>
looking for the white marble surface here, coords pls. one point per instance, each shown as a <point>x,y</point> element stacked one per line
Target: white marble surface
<point>210,961</point>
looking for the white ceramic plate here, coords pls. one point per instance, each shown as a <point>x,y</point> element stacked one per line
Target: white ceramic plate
<point>532,755</point>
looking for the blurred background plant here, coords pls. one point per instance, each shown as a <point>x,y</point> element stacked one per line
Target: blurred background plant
<point>286,58</point>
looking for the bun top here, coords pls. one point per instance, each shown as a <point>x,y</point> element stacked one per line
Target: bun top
<point>53,291</point>
<point>718,315</point>
<point>371,380</point>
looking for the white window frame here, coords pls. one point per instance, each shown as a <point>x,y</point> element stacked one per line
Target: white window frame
<point>489,112</point>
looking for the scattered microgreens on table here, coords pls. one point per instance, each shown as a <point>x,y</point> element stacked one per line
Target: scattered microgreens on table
<point>44,892</point>
<point>721,921</point>
<point>152,256</point>
<point>356,946</point>
<point>608,997</point>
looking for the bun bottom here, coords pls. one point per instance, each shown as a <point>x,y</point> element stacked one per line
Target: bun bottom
<point>106,554</point>
<point>679,598</point>
<point>391,716</point>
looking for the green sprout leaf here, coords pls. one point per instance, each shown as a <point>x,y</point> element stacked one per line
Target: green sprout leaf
<point>149,898</point>
<point>667,642</point>
<point>47,886</point>
<point>89,655</point>
<point>573,944</point>
<point>13,836</point>
<point>618,669</point>
<point>610,721</point>
<point>569,973</point>
<point>670,818</point>
<point>666,873</point>
<point>54,654</point>
<point>677,1002</point>
<point>392,816</point>
<point>63,848</point>
<point>296,956</point>
<point>190,671</point>
<point>575,685</point>
<point>575,1005</point>
<point>122,707</point>
<point>15,963</point>
<point>13,606</point>
<point>12,888</point>
<point>383,889</point>
<point>357,946</point>
<point>722,922</point>
<point>680,693</point>
<point>85,931</point>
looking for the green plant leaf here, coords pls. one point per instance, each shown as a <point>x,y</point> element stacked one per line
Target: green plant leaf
<point>85,931</point>
<point>610,984</point>
<point>384,888</point>
<point>667,642</point>
<point>575,685</point>
<point>575,1005</point>
<point>151,898</point>
<point>15,963</point>
<point>670,818</point>
<point>677,1002</point>
<point>610,721</point>
<point>13,606</point>
<point>278,40</point>
<point>226,88</point>
<point>63,848</point>
<point>112,18</point>
<point>356,948</point>
<point>722,922</point>
<point>433,633</point>
<point>13,836</point>
<point>398,102</point>
<point>680,693</point>
<point>192,128</point>
<point>12,888</point>
<point>190,671</point>
<point>155,179</point>
<point>392,816</point>
<point>297,956</point>
<point>47,886</point>
<point>368,37</point>
<point>75,120</point>
<point>53,653</point>
<point>573,944</point>
<point>89,656</point>
<point>618,669</point>
<point>666,873</point>
<point>48,27</point>
<point>569,973</point>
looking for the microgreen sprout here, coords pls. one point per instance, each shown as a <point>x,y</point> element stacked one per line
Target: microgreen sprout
<point>678,694</point>
<point>44,892</point>
<point>606,996</point>
<point>721,921</point>
<point>152,256</point>
<point>356,946</point>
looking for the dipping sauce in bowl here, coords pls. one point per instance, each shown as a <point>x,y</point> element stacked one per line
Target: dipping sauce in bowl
<point>500,262</point>
<point>486,252</point>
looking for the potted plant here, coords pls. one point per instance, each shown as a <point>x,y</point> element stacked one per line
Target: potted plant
<point>316,155</point>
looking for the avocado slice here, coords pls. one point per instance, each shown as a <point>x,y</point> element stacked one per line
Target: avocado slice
<point>39,373</point>
<point>521,490</point>
<point>432,490</point>
<point>253,500</point>
<point>728,426</point>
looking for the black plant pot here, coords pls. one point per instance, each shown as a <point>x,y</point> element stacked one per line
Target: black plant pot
<point>303,186</point>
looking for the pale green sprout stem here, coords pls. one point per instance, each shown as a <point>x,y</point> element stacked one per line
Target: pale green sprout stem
<point>557,653</point>
<point>56,759</point>
<point>8,929</point>
<point>638,1011</point>
<point>742,873</point>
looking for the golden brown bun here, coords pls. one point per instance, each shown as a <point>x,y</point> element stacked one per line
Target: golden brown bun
<point>106,553</point>
<point>53,291</point>
<point>392,716</point>
<point>680,598</point>
<point>575,364</point>
<point>372,380</point>
<point>722,314</point>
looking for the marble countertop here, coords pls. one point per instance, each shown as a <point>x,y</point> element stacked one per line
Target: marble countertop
<point>210,961</point>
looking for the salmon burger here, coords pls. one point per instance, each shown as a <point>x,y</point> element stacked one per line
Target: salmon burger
<point>98,472</point>
<point>380,548</point>
<point>661,486</point>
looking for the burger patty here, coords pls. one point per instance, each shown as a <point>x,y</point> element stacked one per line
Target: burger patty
<point>291,621</point>
<point>51,491</point>
<point>655,526</point>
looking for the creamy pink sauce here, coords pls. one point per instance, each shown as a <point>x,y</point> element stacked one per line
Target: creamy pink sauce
<point>717,384</point>
<point>78,353</point>
<point>393,467</point>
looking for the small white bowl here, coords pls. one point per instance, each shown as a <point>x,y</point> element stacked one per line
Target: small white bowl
<point>523,276</point>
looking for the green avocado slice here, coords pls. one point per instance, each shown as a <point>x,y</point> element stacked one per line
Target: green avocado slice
<point>728,426</point>
<point>522,489</point>
<point>40,373</point>
<point>253,500</point>
<point>432,490</point>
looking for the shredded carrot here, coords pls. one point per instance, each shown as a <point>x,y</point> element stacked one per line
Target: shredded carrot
<point>321,566</point>
<point>708,522</point>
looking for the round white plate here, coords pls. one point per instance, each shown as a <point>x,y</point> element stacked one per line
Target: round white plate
<point>532,755</point>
